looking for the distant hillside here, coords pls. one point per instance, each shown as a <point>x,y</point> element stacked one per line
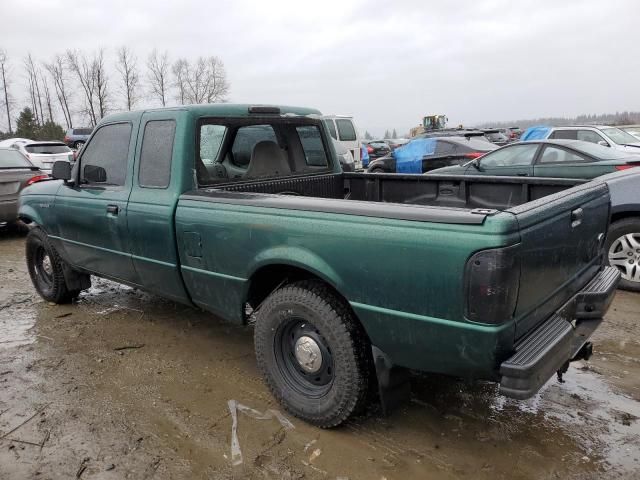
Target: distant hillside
<point>618,118</point>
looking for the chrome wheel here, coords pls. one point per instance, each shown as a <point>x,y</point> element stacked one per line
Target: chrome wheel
<point>624,254</point>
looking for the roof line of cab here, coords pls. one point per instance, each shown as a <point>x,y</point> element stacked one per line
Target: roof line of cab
<point>220,109</point>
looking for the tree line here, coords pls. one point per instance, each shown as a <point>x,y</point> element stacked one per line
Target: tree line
<point>77,88</point>
<point>617,118</point>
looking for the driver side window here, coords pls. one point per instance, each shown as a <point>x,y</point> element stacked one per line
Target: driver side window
<point>510,156</point>
<point>104,159</point>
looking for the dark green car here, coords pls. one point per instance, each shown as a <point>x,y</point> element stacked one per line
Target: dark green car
<point>547,158</point>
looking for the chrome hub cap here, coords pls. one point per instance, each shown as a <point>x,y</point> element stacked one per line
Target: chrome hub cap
<point>308,354</point>
<point>46,265</point>
<point>624,254</point>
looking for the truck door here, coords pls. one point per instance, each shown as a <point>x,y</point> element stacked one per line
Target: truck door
<point>92,217</point>
<point>157,177</point>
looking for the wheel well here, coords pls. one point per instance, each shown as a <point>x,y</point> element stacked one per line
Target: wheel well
<point>266,279</point>
<point>622,215</point>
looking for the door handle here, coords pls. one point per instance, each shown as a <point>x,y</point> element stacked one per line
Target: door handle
<point>576,217</point>
<point>523,174</point>
<point>113,209</point>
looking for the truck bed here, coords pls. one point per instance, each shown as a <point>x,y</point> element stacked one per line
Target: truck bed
<point>454,192</point>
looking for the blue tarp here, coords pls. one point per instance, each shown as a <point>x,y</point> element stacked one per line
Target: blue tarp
<point>539,132</point>
<point>409,157</point>
<point>364,155</point>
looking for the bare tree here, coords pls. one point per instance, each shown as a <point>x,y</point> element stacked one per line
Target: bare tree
<point>47,96</point>
<point>158,66</point>
<point>180,70</point>
<point>218,86</point>
<point>128,68</point>
<point>57,71</point>
<point>5,88</point>
<point>101,82</point>
<point>84,72</point>
<point>34,89</point>
<point>203,82</point>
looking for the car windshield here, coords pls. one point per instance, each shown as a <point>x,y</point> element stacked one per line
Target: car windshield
<point>47,148</point>
<point>620,136</point>
<point>13,159</point>
<point>635,131</point>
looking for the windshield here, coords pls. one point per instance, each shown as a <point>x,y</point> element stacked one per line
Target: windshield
<point>619,136</point>
<point>47,148</point>
<point>13,159</point>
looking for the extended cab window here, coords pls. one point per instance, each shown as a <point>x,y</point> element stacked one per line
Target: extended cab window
<point>156,153</point>
<point>104,159</point>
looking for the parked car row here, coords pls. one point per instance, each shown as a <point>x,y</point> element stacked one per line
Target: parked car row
<point>42,154</point>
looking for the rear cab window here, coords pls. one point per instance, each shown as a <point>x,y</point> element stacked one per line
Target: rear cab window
<point>242,150</point>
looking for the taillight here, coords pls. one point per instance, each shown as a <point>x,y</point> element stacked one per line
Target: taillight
<point>369,149</point>
<point>37,178</point>
<point>492,283</point>
<point>472,155</point>
<point>626,166</point>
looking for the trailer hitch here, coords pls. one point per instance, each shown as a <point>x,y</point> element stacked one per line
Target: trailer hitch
<point>584,353</point>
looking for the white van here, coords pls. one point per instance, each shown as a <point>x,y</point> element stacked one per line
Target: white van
<point>344,130</point>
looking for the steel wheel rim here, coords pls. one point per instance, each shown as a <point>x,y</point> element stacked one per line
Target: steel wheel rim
<point>313,379</point>
<point>44,266</point>
<point>624,254</point>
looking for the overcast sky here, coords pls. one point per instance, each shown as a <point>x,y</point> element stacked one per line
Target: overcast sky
<point>386,63</point>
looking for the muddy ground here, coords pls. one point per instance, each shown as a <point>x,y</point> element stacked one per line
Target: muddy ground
<point>126,385</point>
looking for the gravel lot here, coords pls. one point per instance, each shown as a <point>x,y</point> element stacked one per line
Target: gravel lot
<point>126,385</point>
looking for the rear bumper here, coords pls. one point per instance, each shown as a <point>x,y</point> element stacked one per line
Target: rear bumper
<point>556,341</point>
<point>8,210</point>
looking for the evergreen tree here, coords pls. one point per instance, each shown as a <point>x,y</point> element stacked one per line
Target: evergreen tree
<point>387,134</point>
<point>367,135</point>
<point>27,126</point>
<point>395,134</point>
<point>50,131</point>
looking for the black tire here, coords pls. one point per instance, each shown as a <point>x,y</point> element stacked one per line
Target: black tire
<point>340,387</point>
<point>45,269</point>
<point>78,145</point>
<point>377,170</point>
<point>618,230</point>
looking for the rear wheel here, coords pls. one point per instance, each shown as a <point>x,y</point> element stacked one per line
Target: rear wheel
<point>623,251</point>
<point>78,145</point>
<point>46,269</point>
<point>313,354</point>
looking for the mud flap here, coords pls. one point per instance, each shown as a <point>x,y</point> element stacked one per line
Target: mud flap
<point>393,381</point>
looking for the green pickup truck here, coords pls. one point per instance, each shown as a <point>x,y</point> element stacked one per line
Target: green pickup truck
<point>351,279</point>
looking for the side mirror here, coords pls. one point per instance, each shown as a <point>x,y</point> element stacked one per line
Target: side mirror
<point>603,143</point>
<point>61,170</point>
<point>94,174</point>
<point>476,164</point>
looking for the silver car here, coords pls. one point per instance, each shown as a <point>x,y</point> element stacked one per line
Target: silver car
<point>16,172</point>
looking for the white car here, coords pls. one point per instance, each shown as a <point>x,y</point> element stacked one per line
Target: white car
<point>42,154</point>
<point>601,134</point>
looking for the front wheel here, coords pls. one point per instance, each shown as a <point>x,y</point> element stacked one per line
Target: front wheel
<point>623,251</point>
<point>377,170</point>
<point>46,269</point>
<point>313,353</point>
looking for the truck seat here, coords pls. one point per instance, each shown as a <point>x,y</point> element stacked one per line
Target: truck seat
<point>267,160</point>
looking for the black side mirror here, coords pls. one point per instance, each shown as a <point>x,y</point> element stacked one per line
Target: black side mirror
<point>95,174</point>
<point>61,170</point>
